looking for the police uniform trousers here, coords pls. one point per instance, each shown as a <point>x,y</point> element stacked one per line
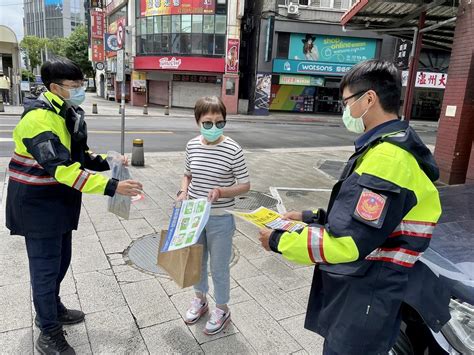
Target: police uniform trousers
<point>49,258</point>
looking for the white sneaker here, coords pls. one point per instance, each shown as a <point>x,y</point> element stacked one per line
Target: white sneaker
<point>195,311</point>
<point>218,321</point>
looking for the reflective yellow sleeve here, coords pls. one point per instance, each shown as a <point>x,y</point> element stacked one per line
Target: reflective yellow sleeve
<point>81,180</point>
<point>315,245</point>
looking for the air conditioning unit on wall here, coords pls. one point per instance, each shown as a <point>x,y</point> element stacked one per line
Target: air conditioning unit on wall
<point>293,9</point>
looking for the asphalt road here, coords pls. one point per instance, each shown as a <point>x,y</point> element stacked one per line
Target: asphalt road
<point>162,134</point>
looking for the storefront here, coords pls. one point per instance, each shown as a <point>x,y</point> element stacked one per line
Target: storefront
<point>428,96</point>
<point>307,78</point>
<point>180,81</point>
<point>186,51</point>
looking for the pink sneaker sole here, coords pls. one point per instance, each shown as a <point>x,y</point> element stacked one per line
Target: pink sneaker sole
<point>224,325</point>
<point>203,311</point>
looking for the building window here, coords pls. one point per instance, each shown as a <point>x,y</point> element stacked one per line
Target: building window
<point>327,3</point>
<point>305,2</point>
<point>283,45</point>
<point>182,35</point>
<point>346,4</point>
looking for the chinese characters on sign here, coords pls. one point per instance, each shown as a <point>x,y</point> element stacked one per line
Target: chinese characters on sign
<point>232,60</point>
<point>427,80</point>
<point>138,81</point>
<point>176,7</point>
<point>97,34</point>
<point>301,80</point>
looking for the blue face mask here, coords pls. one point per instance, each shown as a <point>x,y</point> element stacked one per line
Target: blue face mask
<point>213,134</point>
<point>76,96</point>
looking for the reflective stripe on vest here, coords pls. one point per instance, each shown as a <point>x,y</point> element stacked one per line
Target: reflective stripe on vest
<point>414,229</point>
<point>400,256</point>
<point>31,179</point>
<point>29,165</point>
<point>81,180</point>
<point>25,161</point>
<point>315,244</point>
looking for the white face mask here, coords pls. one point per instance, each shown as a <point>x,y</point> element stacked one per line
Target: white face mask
<point>354,124</point>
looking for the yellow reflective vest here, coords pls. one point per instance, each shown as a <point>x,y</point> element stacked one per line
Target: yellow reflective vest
<point>47,172</point>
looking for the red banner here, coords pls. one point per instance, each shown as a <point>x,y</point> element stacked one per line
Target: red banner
<point>232,59</point>
<point>173,63</point>
<point>97,50</point>
<point>177,7</point>
<point>97,24</point>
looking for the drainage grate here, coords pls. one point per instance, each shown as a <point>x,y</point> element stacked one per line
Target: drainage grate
<point>142,254</point>
<point>333,168</point>
<point>254,199</point>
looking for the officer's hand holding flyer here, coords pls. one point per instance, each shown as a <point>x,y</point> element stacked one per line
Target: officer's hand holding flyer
<point>263,217</point>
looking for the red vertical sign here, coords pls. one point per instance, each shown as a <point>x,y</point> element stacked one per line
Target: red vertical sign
<point>232,57</point>
<point>98,24</point>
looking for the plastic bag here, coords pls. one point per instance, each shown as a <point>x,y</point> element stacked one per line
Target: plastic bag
<point>119,204</point>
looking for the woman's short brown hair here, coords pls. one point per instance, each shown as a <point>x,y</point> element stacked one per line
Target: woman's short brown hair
<point>209,104</point>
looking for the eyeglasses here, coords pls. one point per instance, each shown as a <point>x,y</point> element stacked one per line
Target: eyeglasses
<point>209,124</point>
<point>67,87</point>
<point>344,101</point>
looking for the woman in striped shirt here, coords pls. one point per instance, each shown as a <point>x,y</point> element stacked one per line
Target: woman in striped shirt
<point>214,168</point>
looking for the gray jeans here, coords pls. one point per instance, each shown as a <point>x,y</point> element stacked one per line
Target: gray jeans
<point>217,241</point>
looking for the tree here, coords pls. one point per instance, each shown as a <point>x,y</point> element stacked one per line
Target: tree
<point>76,49</point>
<point>27,75</point>
<point>58,46</point>
<point>32,47</point>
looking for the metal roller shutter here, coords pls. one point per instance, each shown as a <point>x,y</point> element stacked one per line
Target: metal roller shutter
<point>185,94</point>
<point>158,92</point>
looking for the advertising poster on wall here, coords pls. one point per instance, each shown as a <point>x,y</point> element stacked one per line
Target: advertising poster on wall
<point>176,7</point>
<point>232,59</point>
<point>262,93</point>
<point>292,98</point>
<point>334,49</point>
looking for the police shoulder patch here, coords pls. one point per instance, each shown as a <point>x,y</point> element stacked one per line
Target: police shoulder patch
<point>370,205</point>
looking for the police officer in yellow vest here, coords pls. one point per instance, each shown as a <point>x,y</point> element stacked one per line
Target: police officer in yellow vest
<point>380,219</point>
<point>47,176</point>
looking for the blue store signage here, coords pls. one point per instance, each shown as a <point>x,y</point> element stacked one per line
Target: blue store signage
<point>309,67</point>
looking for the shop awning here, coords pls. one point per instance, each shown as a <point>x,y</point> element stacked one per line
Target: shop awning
<point>399,18</point>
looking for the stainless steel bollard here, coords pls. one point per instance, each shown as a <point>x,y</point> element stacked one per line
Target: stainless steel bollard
<point>167,110</point>
<point>145,109</point>
<point>138,153</point>
<point>94,109</point>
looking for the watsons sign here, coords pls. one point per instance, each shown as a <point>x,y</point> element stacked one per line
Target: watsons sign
<point>288,66</point>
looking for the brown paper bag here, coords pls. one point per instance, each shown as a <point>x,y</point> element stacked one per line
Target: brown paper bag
<point>182,265</point>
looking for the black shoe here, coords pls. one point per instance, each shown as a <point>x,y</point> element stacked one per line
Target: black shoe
<point>69,316</point>
<point>53,343</point>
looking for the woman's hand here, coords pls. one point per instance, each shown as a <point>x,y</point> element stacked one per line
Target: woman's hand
<point>183,195</point>
<point>214,195</point>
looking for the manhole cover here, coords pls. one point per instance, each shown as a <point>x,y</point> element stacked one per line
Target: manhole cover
<point>254,199</point>
<point>142,254</point>
<point>333,168</point>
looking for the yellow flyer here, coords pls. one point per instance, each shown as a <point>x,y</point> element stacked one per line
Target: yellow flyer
<point>263,217</point>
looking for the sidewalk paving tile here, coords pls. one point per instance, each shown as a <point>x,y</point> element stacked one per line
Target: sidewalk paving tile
<point>98,291</point>
<point>233,344</point>
<point>171,337</point>
<point>243,269</point>
<point>115,241</point>
<point>14,267</point>
<point>262,332</point>
<point>282,275</point>
<point>311,342</point>
<point>273,299</point>
<point>15,306</point>
<point>113,331</point>
<point>88,255</point>
<point>149,303</point>
<point>19,341</point>
<point>137,228</point>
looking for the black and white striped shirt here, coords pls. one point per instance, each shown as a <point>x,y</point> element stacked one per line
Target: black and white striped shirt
<point>211,166</point>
